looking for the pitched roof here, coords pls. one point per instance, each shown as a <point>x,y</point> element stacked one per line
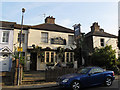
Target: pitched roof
<point>7,24</point>
<point>5,50</point>
<point>18,26</point>
<point>52,27</point>
<point>101,34</point>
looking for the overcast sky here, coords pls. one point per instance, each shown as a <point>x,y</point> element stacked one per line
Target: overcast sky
<point>65,13</point>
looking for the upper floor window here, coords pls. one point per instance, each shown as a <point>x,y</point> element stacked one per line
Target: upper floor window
<point>5,36</point>
<point>102,42</point>
<point>44,37</point>
<point>70,39</point>
<point>22,38</point>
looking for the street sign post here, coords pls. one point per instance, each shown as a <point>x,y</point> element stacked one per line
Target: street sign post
<point>77,30</point>
<point>19,49</point>
<point>77,36</point>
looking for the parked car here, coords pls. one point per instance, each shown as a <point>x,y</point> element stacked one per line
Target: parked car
<point>85,77</point>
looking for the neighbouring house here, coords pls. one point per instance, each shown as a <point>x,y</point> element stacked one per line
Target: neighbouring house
<point>6,45</point>
<point>97,37</point>
<point>48,37</point>
<point>24,41</point>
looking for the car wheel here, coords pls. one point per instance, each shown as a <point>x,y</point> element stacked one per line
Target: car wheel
<point>108,81</point>
<point>76,85</point>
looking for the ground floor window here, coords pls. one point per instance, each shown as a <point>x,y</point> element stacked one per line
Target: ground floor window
<point>47,57</point>
<point>69,56</point>
<point>50,56</point>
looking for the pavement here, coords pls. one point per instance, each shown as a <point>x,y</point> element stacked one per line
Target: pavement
<point>41,85</point>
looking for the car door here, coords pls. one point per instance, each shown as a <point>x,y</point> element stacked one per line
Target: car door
<point>96,76</point>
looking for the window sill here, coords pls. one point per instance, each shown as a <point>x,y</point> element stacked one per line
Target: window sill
<point>4,43</point>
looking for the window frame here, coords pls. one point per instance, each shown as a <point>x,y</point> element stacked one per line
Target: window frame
<point>44,39</point>
<point>70,40</point>
<point>6,37</point>
<point>67,57</point>
<point>47,57</point>
<point>52,57</point>
<point>22,38</point>
<point>102,42</point>
<point>71,57</point>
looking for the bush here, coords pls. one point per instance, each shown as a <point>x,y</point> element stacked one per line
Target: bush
<point>104,57</point>
<point>114,68</point>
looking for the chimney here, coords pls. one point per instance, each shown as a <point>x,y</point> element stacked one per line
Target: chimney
<point>95,27</point>
<point>102,30</point>
<point>50,20</point>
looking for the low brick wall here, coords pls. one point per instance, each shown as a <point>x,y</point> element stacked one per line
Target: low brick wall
<point>7,78</point>
<point>52,75</point>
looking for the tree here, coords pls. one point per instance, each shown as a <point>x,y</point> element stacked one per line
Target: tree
<point>104,57</point>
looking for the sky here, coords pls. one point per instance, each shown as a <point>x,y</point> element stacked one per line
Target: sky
<point>65,13</point>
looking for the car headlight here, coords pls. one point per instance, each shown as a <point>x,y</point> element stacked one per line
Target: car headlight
<point>65,80</point>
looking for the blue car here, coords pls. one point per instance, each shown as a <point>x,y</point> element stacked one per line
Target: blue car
<point>86,77</point>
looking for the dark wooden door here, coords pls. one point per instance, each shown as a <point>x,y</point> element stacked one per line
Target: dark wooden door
<point>33,61</point>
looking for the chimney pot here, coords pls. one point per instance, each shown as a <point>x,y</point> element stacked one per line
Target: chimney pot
<point>50,20</point>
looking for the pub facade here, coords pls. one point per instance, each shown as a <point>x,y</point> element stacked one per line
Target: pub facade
<point>49,44</point>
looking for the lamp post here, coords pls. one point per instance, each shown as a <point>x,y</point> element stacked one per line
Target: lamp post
<point>20,48</point>
<point>119,38</point>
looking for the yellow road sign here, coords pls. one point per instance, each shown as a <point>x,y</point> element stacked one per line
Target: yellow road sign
<point>19,49</point>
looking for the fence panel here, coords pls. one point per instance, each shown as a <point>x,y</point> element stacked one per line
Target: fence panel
<point>52,75</point>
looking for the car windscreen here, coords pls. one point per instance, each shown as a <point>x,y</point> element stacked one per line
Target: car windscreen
<point>84,70</point>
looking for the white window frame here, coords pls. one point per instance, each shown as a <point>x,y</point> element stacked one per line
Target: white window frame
<point>44,37</point>
<point>45,58</point>
<point>5,37</point>
<point>69,57</point>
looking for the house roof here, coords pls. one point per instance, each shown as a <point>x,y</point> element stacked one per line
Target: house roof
<point>52,27</point>
<point>18,26</point>
<point>45,26</point>
<point>7,24</point>
<point>101,34</point>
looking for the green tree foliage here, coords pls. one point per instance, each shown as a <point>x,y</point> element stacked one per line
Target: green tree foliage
<point>104,56</point>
